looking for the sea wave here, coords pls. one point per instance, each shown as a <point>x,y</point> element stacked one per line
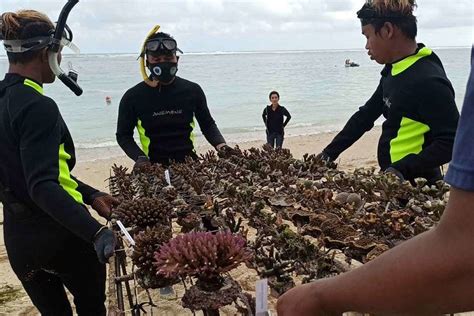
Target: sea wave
<point>100,144</point>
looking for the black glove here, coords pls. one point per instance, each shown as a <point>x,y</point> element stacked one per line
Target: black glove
<point>104,244</point>
<point>141,162</point>
<point>395,172</point>
<point>226,151</point>
<point>324,157</point>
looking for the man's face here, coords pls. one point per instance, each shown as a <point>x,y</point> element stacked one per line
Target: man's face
<point>274,99</point>
<point>377,45</point>
<point>153,59</point>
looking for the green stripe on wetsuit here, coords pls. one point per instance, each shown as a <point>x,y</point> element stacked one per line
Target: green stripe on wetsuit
<point>409,140</point>
<point>65,180</point>
<point>144,140</point>
<point>192,136</point>
<point>401,66</point>
<point>34,85</point>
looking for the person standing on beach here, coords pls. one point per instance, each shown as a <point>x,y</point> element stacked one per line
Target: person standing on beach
<point>431,274</point>
<point>51,239</point>
<point>414,95</point>
<point>164,109</point>
<point>274,118</point>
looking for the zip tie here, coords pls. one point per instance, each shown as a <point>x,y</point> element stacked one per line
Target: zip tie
<point>167,177</point>
<point>126,234</point>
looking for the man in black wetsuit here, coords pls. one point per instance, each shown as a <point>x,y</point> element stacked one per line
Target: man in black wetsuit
<point>164,108</point>
<point>414,95</point>
<point>274,118</point>
<point>50,235</point>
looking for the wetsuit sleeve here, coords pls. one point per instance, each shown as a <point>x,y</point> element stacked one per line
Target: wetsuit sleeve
<point>264,116</point>
<point>126,123</point>
<point>206,122</point>
<point>40,139</point>
<point>88,193</point>
<point>437,109</point>
<point>288,117</point>
<point>362,121</point>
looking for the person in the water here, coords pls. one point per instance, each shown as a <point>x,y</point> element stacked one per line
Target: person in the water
<point>52,240</point>
<point>414,95</point>
<point>164,109</point>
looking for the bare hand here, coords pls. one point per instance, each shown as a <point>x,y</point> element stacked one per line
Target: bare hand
<point>103,205</point>
<point>301,300</point>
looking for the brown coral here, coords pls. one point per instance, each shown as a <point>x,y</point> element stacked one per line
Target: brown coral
<point>144,212</point>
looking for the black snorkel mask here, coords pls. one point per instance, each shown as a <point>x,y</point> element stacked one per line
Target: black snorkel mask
<point>60,37</point>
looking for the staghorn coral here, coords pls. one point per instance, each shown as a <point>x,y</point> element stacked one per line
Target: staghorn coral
<point>201,254</point>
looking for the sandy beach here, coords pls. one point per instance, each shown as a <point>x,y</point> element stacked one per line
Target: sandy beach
<point>14,301</point>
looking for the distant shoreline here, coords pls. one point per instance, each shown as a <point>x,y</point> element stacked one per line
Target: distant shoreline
<point>322,50</point>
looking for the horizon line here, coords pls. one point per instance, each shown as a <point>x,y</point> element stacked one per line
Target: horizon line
<point>253,51</point>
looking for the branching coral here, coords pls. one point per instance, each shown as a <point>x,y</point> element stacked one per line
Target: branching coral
<point>203,255</point>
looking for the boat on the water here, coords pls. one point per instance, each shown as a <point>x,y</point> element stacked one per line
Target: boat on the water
<point>350,63</point>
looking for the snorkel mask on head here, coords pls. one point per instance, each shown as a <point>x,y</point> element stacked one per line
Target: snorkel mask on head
<point>60,37</point>
<point>156,46</point>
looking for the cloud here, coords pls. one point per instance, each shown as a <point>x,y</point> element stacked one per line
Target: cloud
<point>223,25</point>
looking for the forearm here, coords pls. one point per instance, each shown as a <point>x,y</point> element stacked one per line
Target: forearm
<point>88,192</point>
<point>428,275</point>
<point>130,147</point>
<point>57,203</point>
<point>359,123</point>
<point>351,132</point>
<point>213,135</point>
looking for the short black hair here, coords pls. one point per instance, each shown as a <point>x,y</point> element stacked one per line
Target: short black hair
<point>377,17</point>
<point>272,93</point>
<point>159,35</point>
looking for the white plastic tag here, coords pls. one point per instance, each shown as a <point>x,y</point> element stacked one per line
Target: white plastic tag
<point>261,301</point>
<point>167,177</point>
<point>125,233</point>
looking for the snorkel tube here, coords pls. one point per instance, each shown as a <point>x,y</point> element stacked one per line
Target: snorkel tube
<point>69,79</point>
<point>151,83</point>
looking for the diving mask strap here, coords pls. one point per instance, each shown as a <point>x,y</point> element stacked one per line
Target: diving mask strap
<point>145,76</point>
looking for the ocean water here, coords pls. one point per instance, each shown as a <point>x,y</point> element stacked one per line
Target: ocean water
<point>320,93</point>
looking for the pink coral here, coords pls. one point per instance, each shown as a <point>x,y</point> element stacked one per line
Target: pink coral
<point>202,254</point>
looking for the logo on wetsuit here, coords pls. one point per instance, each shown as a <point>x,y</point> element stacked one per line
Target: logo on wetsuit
<point>387,102</point>
<point>168,112</point>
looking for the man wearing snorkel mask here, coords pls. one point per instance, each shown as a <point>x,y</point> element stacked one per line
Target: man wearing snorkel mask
<point>52,240</point>
<point>163,108</point>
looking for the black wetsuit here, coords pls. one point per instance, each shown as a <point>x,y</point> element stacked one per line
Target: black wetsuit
<point>48,230</point>
<point>165,120</point>
<point>417,100</point>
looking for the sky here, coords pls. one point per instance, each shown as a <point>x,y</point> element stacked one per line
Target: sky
<point>119,26</point>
